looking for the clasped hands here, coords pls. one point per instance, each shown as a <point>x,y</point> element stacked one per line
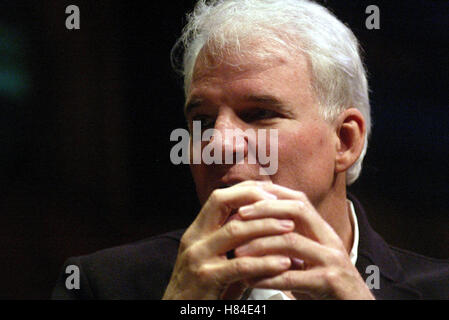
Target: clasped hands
<point>269,228</point>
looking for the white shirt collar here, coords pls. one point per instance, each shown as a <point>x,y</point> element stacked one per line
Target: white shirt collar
<point>269,294</point>
<point>355,229</point>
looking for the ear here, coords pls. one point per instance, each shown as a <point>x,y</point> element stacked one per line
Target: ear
<point>350,130</point>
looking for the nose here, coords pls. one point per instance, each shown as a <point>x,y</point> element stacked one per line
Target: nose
<point>230,136</point>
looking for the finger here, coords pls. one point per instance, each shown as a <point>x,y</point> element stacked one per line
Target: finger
<point>290,194</point>
<point>222,202</point>
<point>308,281</point>
<point>289,244</point>
<point>237,232</point>
<point>283,192</point>
<point>238,269</point>
<point>308,222</point>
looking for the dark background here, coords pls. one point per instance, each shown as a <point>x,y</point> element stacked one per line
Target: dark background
<point>86,115</point>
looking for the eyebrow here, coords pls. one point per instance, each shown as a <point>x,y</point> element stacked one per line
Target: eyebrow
<point>192,104</point>
<point>264,99</point>
<point>269,100</point>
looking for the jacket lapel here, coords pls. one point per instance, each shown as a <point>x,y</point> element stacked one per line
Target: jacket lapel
<point>373,250</point>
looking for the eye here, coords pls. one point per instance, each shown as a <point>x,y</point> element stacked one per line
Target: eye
<point>206,121</point>
<point>259,114</point>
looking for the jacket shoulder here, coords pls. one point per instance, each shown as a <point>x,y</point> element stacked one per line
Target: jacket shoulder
<point>138,270</point>
<point>429,275</point>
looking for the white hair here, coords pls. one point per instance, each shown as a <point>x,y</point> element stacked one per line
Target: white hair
<point>300,26</point>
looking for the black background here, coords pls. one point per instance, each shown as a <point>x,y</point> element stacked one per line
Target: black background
<point>85,148</point>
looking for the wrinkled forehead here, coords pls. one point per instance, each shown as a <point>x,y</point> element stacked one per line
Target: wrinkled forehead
<point>252,56</point>
<point>231,67</point>
<point>274,75</point>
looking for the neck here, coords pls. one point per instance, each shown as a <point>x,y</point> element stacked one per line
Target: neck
<point>336,211</point>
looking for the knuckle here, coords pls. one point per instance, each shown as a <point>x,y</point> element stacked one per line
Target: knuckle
<point>254,191</point>
<point>191,255</point>
<point>257,191</point>
<point>204,273</point>
<point>234,228</point>
<point>291,239</point>
<point>217,199</point>
<point>185,241</point>
<point>264,205</point>
<point>216,195</point>
<point>331,276</point>
<point>301,195</point>
<point>289,279</point>
<point>337,257</point>
<point>300,205</point>
<point>188,254</point>
<point>240,266</point>
<point>258,205</point>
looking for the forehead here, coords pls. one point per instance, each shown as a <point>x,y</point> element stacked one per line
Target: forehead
<point>234,76</point>
<point>255,54</point>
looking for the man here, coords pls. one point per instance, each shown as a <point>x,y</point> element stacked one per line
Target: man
<point>291,67</point>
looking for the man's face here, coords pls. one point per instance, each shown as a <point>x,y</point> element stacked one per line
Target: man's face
<point>274,94</point>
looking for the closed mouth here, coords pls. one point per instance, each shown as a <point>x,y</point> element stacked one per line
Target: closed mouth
<point>227,185</point>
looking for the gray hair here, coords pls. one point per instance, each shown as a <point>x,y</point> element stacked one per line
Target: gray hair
<point>338,75</point>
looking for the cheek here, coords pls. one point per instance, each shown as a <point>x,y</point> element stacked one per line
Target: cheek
<point>199,176</point>
<point>305,157</point>
<point>293,150</point>
<point>299,144</point>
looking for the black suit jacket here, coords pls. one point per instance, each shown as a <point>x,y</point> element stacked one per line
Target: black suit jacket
<point>142,270</point>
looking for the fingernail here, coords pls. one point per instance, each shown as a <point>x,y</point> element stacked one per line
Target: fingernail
<point>284,261</point>
<point>241,250</point>
<point>286,224</point>
<point>246,210</point>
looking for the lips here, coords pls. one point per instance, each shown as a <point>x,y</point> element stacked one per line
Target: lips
<point>223,185</point>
